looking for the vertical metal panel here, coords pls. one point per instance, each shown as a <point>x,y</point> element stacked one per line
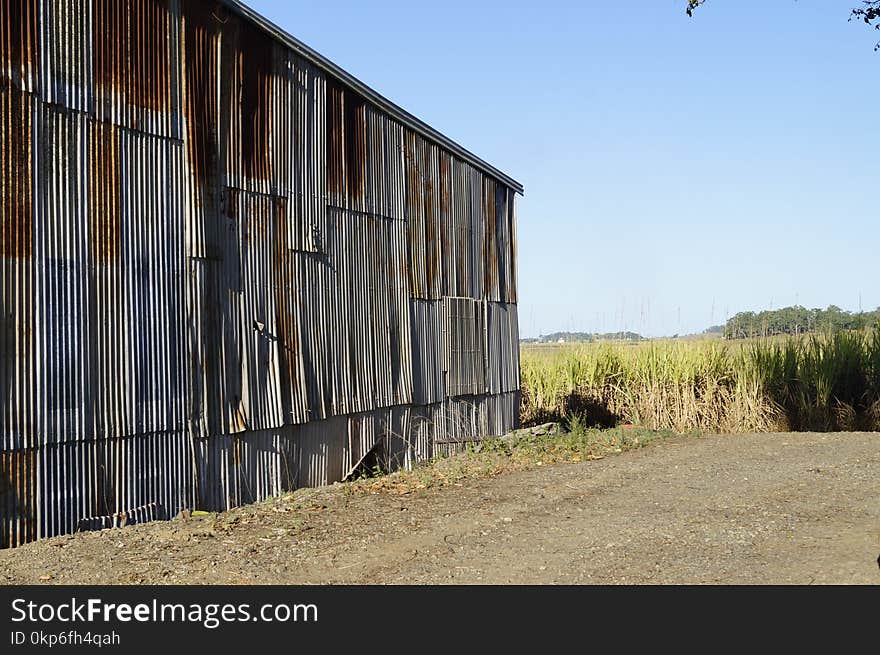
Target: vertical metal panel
<point>225,272</point>
<point>320,448</point>
<point>472,194</point>
<point>135,287</point>
<point>62,263</point>
<point>427,357</point>
<point>66,53</point>
<point>414,152</point>
<point>463,346</point>
<point>490,245</point>
<point>19,361</point>
<point>307,219</point>
<point>106,477</point>
<point>18,497</point>
<point>510,293</point>
<point>20,44</point>
<point>502,333</point>
<point>136,63</point>
<point>406,439</point>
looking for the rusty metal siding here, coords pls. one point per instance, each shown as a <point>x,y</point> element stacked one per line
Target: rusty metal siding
<point>307,167</point>
<point>19,44</point>
<point>512,277</point>
<point>66,72</point>
<point>135,62</point>
<point>18,346</point>
<point>228,270</point>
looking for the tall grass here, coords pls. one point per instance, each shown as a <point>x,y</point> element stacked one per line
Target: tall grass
<point>815,382</point>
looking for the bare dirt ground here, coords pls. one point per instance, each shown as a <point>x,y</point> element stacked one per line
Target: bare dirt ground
<point>769,508</point>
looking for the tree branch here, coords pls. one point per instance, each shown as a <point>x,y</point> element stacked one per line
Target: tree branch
<point>693,4</point>
<point>868,13</point>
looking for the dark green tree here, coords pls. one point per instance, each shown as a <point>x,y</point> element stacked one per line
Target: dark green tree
<point>797,320</point>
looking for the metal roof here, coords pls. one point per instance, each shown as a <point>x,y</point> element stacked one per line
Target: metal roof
<point>369,94</point>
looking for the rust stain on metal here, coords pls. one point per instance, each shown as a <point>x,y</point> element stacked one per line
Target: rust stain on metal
<point>286,310</point>
<point>491,245</point>
<point>444,183</point>
<point>414,209</point>
<point>355,144</point>
<point>233,198</point>
<point>148,53</point>
<point>335,143</point>
<point>130,50</point>
<point>200,55</point>
<point>110,29</point>
<point>414,175</point>
<point>105,203</point>
<point>169,171</point>
<point>446,243</point>
<point>256,70</point>
<point>346,123</point>
<point>18,497</point>
<point>16,204</point>
<point>18,38</point>
<point>432,253</point>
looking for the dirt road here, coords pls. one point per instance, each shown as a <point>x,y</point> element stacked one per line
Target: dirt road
<point>770,508</point>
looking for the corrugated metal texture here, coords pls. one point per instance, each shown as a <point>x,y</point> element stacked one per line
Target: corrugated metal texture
<point>136,309</point>
<point>490,253</point>
<point>356,352</point>
<point>78,480</point>
<point>102,276</point>
<point>206,229</point>
<point>18,497</point>
<point>19,363</point>
<point>385,105</point>
<point>251,123</point>
<point>427,355</point>
<point>245,324</point>
<point>462,230</point>
<point>386,174</point>
<point>405,439</point>
<point>136,62</point>
<point>472,418</point>
<point>320,450</point>
<point>66,47</point>
<point>464,341</point>
<point>226,272</point>
<point>464,420</point>
<point>502,350</point>
<point>502,412</point>
<point>511,283</point>
<point>232,470</point>
<point>62,260</point>
<point>265,290</point>
<point>307,136</point>
<point>19,44</point>
<point>423,216</point>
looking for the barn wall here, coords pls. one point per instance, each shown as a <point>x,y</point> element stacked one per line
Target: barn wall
<point>227,270</point>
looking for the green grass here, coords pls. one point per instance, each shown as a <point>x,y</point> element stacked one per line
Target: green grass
<point>815,382</point>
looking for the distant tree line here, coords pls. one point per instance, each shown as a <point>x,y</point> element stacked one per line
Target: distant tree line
<point>797,320</point>
<point>584,337</point>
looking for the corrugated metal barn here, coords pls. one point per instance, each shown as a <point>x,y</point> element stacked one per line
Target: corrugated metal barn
<point>229,269</point>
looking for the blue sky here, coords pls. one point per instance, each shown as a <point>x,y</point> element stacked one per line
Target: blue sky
<point>676,170</point>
